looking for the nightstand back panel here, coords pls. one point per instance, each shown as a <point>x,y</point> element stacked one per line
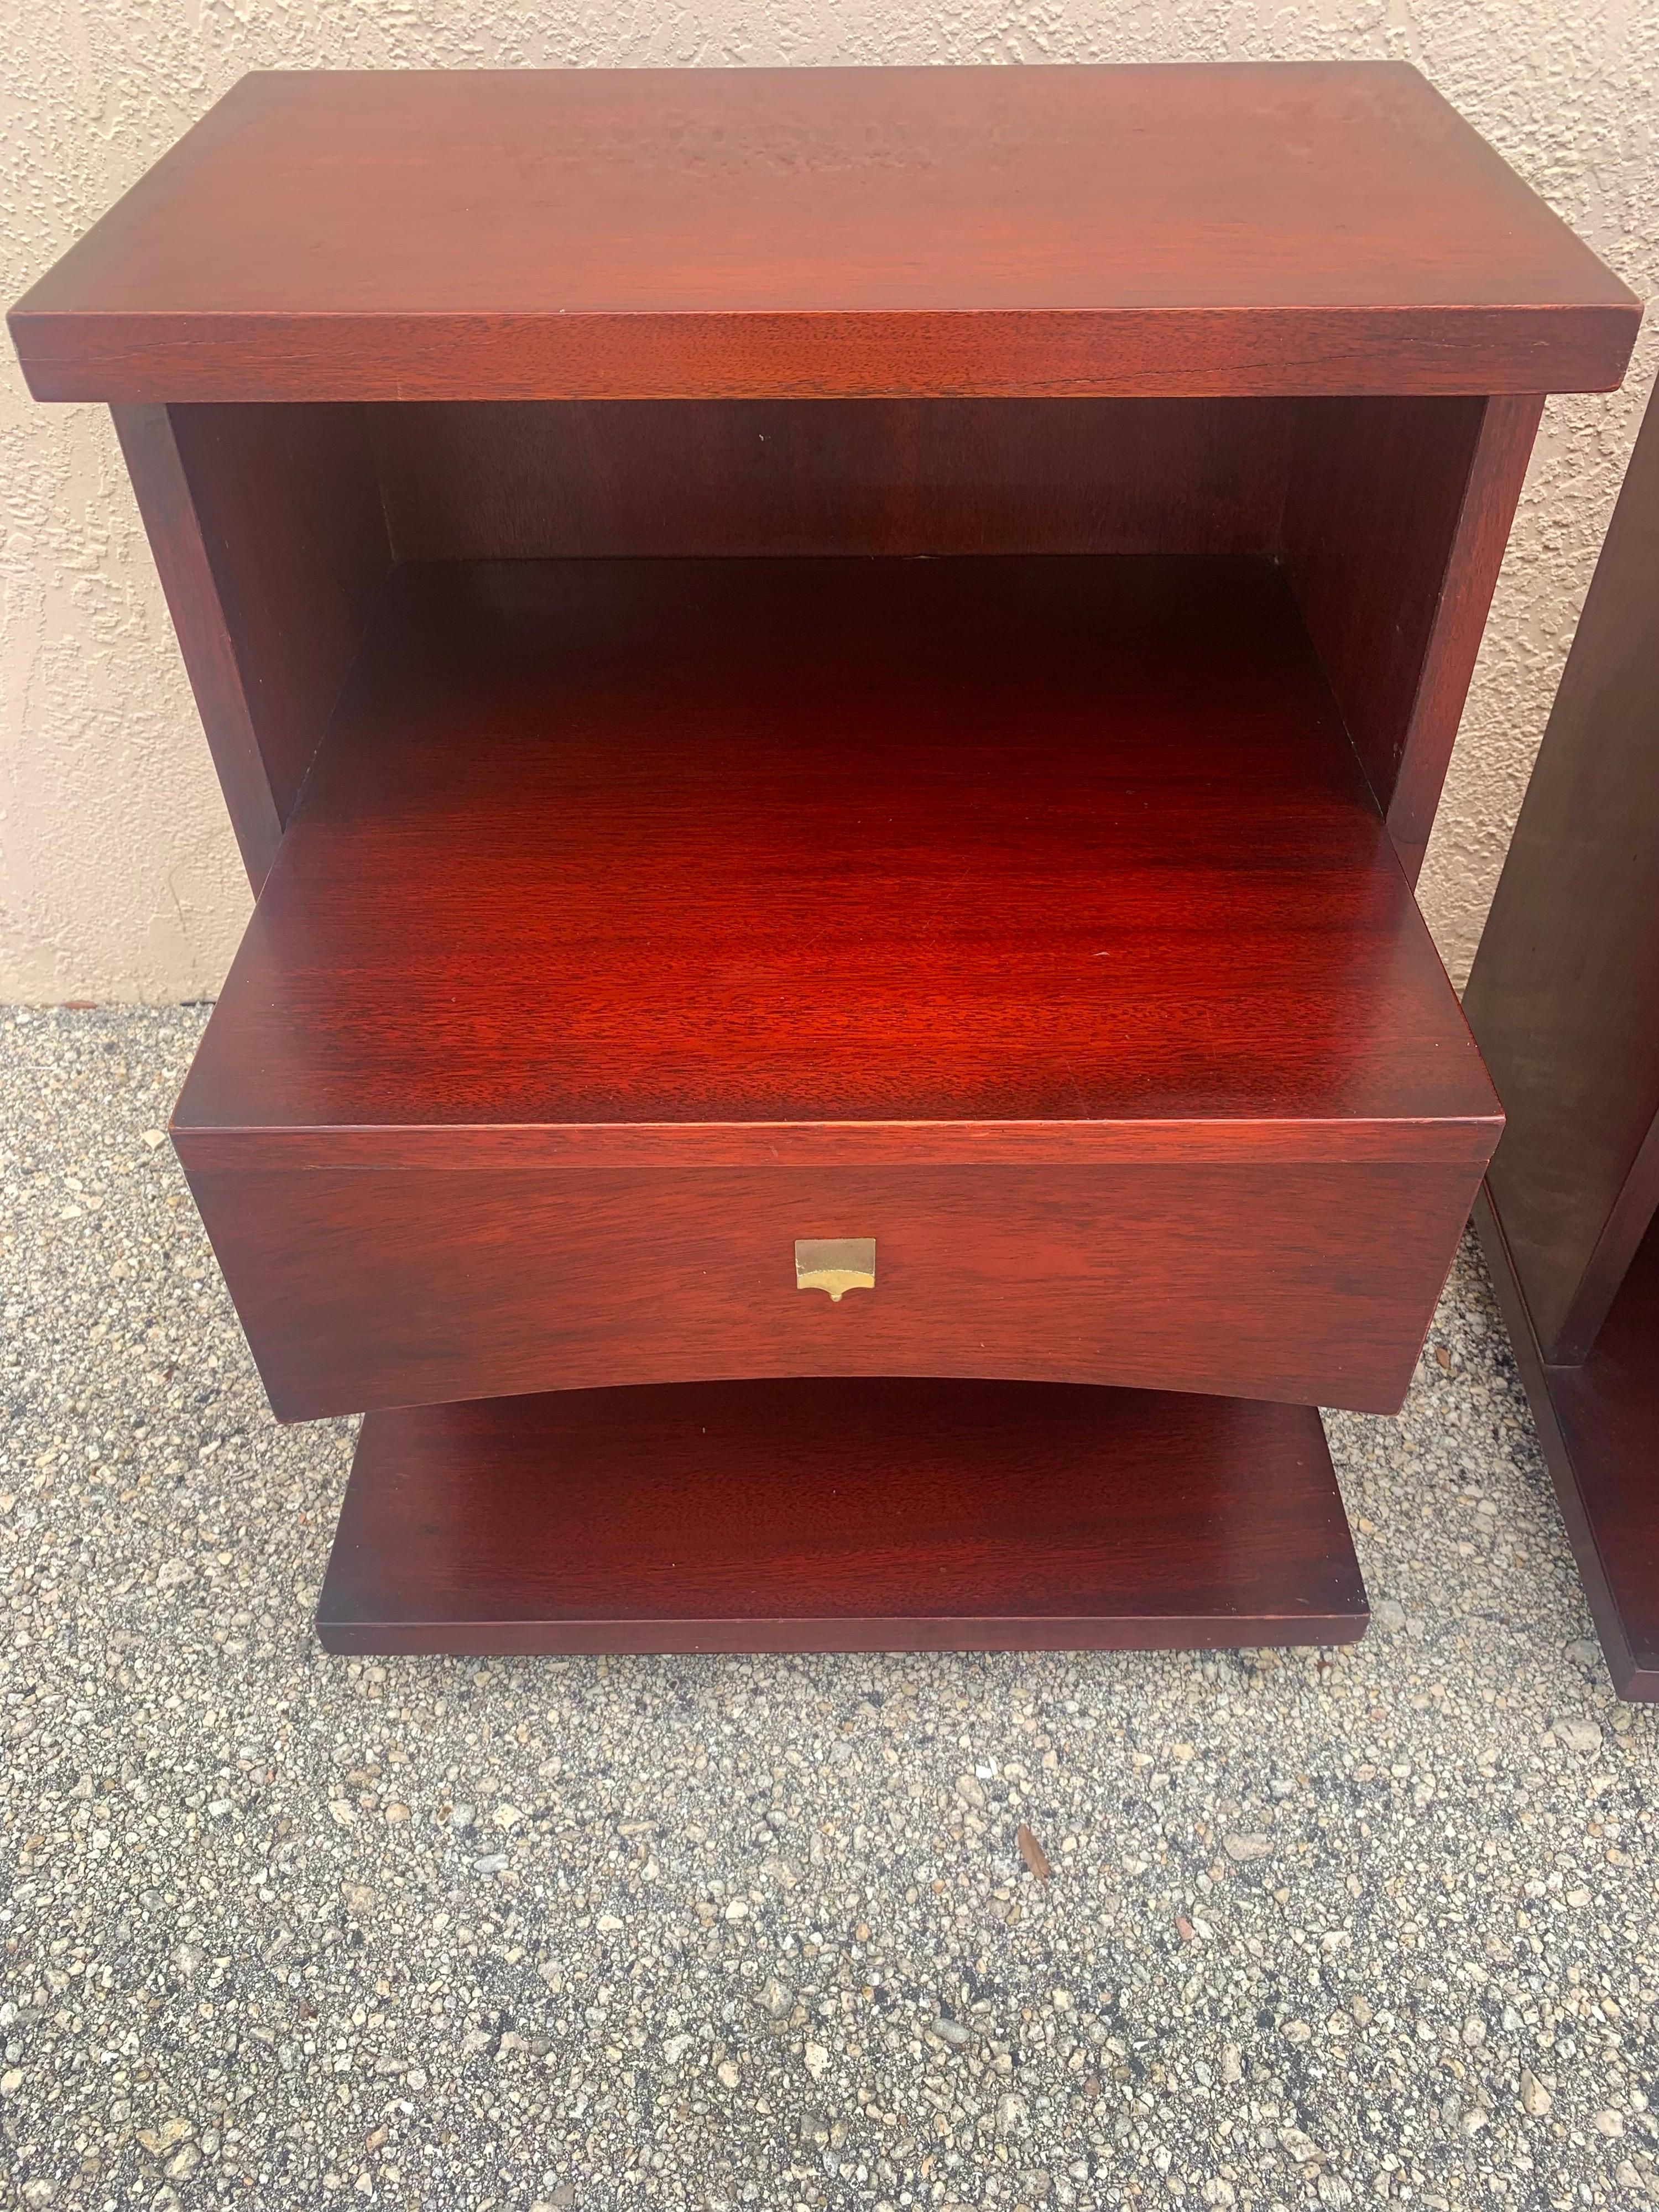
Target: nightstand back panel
<point>537,480</point>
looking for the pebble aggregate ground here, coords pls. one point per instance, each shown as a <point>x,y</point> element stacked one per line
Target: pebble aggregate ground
<point>283,1930</point>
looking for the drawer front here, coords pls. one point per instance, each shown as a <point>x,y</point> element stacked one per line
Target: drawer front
<point>1310,1283</point>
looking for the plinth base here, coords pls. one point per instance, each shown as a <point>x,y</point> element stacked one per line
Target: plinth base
<point>1598,1424</point>
<point>841,1516</point>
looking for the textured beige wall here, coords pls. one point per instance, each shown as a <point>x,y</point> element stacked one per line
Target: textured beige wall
<point>117,876</point>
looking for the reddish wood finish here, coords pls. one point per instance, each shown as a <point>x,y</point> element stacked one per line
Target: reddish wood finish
<point>270,524</point>
<point>268,531</point>
<point>151,450</point>
<point>1395,520</point>
<point>1564,991</point>
<point>1186,1139</point>
<point>1598,1422</point>
<point>641,853</point>
<point>963,841</point>
<point>1565,994</point>
<point>943,1516</point>
<point>1392,514</point>
<point>547,479</point>
<point>1490,492</point>
<point>369,1288</point>
<point>641,916</point>
<point>1314,227</point>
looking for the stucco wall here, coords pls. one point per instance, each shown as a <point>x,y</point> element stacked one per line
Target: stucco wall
<point>117,876</point>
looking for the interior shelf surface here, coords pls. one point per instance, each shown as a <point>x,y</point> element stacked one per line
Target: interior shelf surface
<point>943,1516</point>
<point>1014,842</point>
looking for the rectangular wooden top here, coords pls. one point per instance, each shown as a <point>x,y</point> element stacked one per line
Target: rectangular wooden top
<point>471,234</point>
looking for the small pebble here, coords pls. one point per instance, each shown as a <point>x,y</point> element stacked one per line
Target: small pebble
<point>1243,1849</point>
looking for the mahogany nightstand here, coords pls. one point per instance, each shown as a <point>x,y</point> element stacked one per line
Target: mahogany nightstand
<point>1564,997</point>
<point>833,683</point>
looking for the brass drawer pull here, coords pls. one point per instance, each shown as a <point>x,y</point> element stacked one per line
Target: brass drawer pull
<point>836,1264</point>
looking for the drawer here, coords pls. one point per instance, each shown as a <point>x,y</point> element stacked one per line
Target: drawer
<point>1309,1281</point>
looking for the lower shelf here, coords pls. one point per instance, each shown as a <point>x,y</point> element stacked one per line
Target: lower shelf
<point>841,1516</point>
<point>1599,1427</point>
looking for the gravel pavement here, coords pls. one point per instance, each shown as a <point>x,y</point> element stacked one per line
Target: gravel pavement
<point>285,1931</point>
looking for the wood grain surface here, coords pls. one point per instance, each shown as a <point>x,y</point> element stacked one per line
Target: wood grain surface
<point>1396,515</point>
<point>268,533</point>
<point>364,1287</point>
<point>838,1515</point>
<point>1598,1422</point>
<point>535,480</point>
<point>1565,994</point>
<point>1391,514</point>
<point>270,527</point>
<point>1238,228</point>
<point>976,842</point>
<point>1032,914</point>
<point>1564,989</point>
<point>1029,915</point>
